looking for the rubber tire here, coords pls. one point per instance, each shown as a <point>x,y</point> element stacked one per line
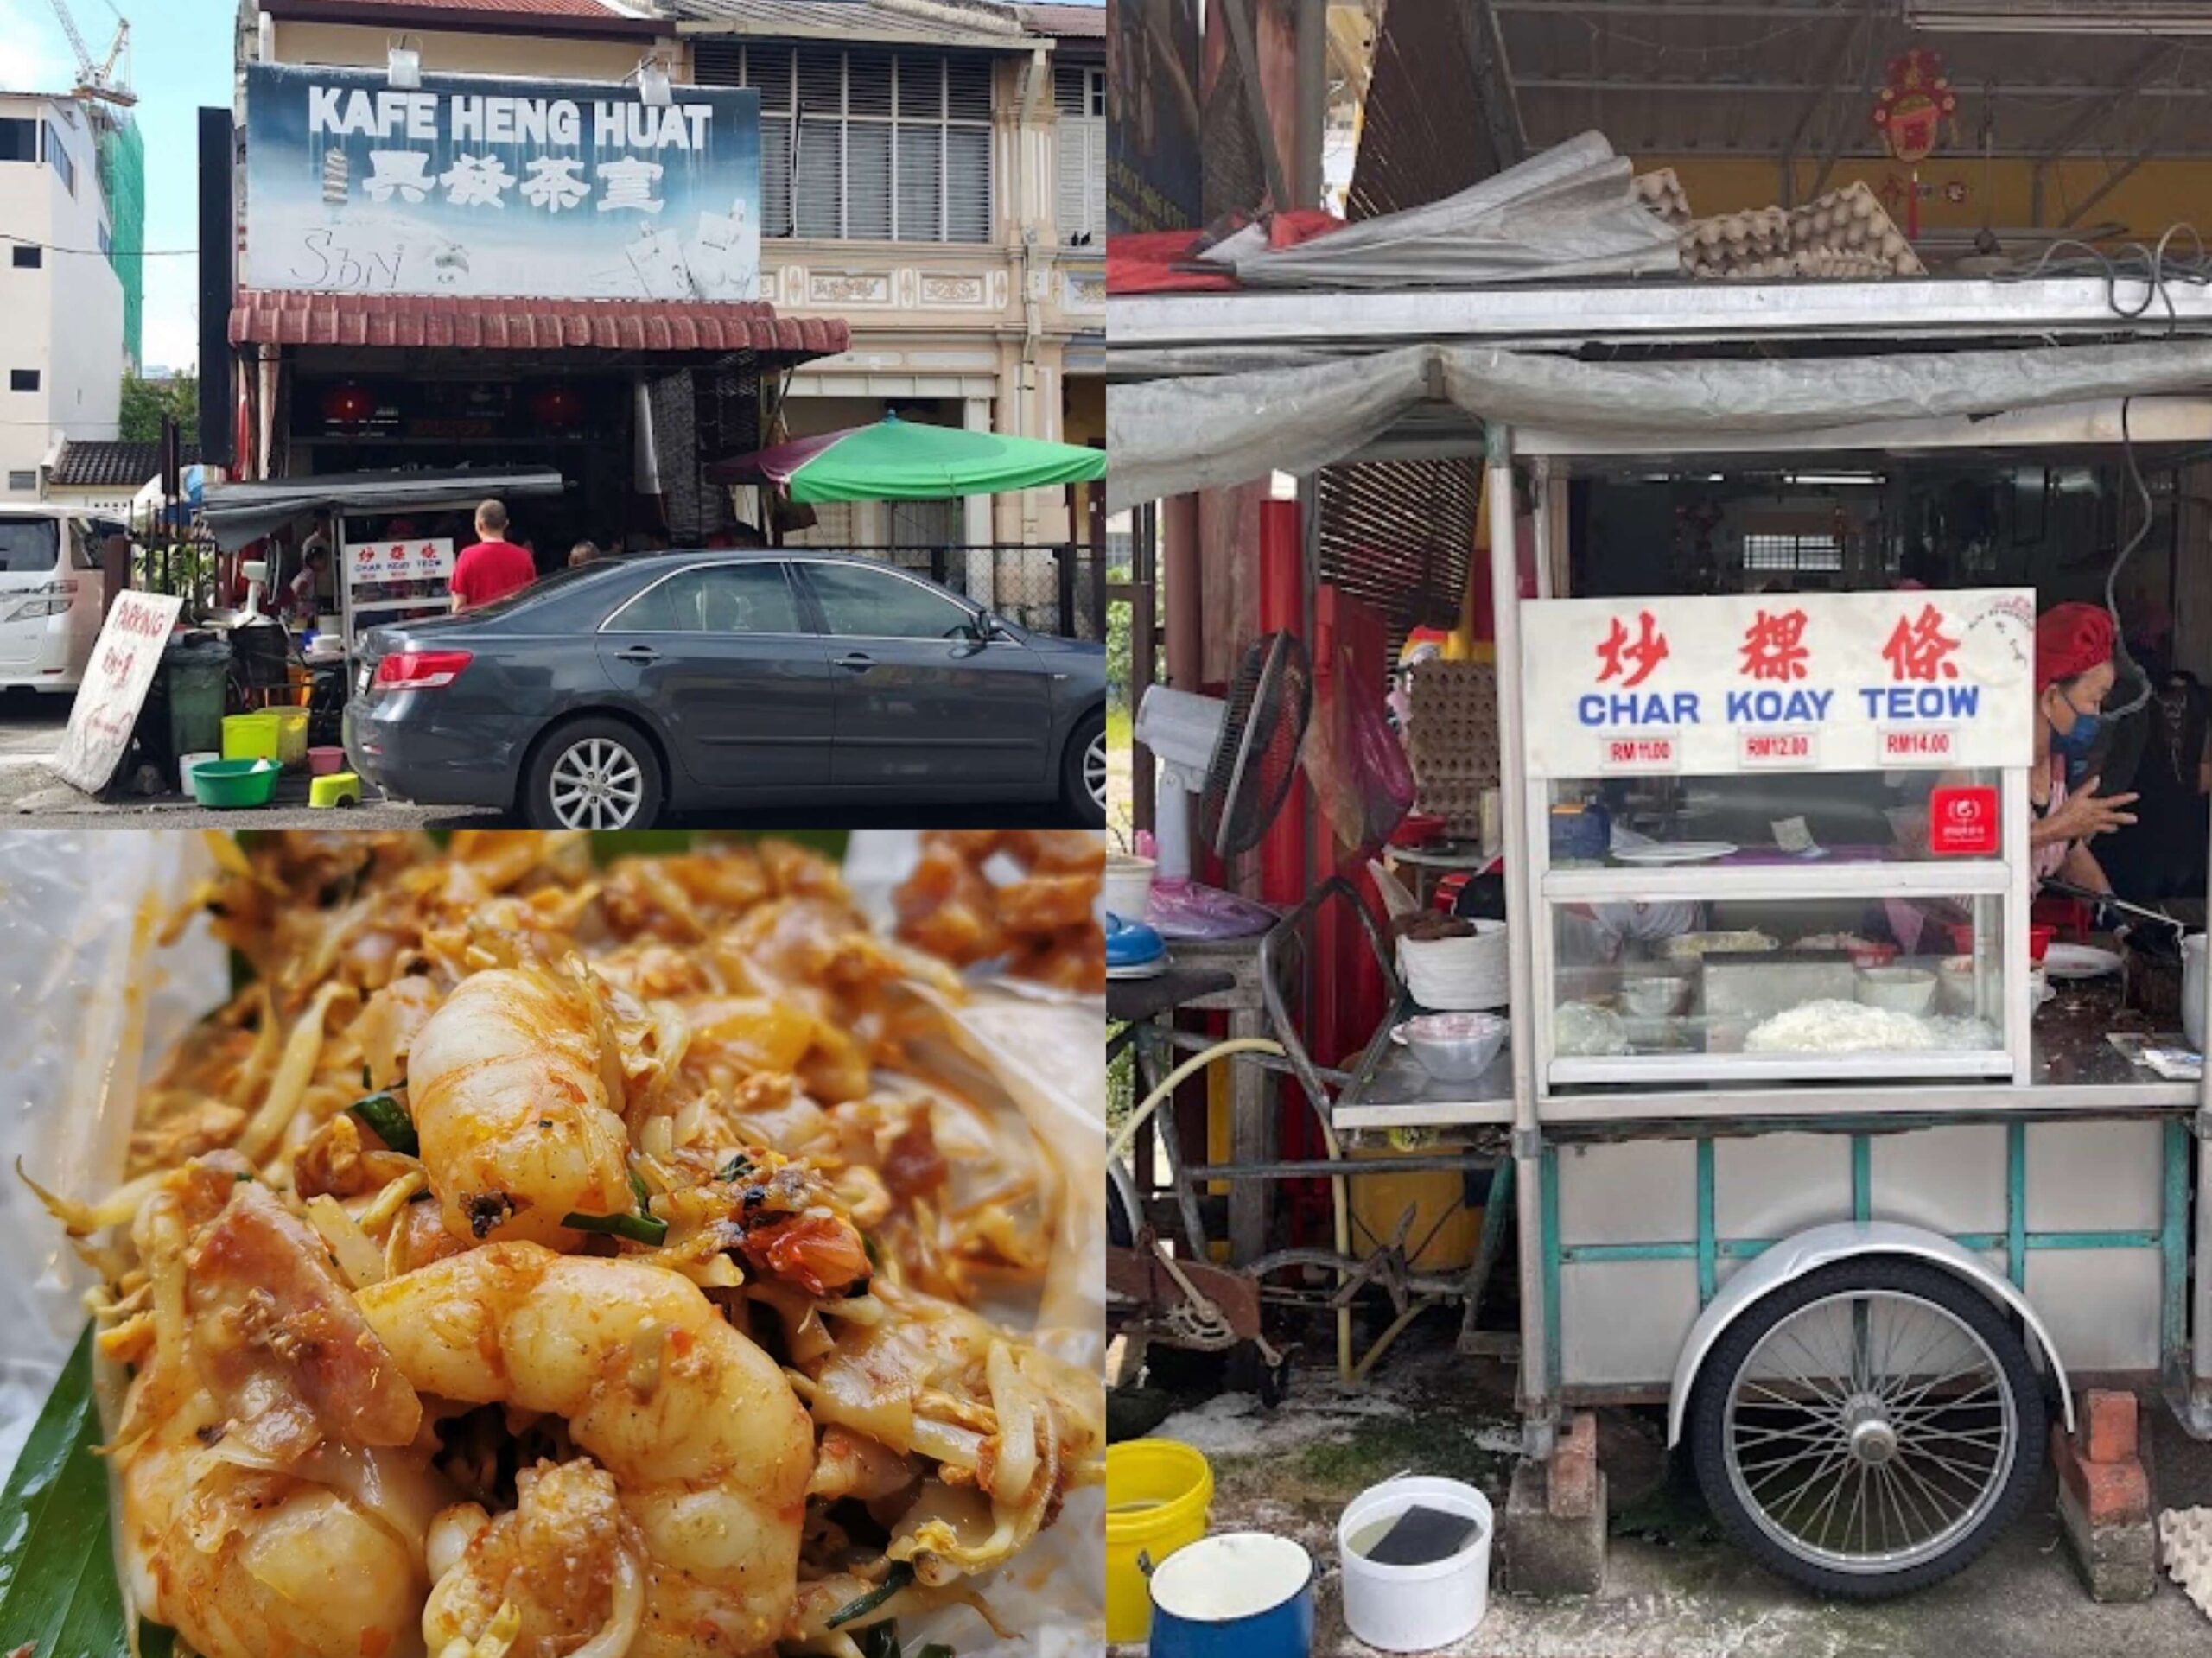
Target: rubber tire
<point>1708,1408</point>
<point>536,802</point>
<point>1087,812</point>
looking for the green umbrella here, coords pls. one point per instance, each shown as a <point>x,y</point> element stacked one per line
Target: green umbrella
<point>899,459</point>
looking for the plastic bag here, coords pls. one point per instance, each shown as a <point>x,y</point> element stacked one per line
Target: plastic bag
<point>1356,761</point>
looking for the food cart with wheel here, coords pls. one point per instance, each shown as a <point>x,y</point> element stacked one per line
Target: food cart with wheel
<point>1817,1167</point>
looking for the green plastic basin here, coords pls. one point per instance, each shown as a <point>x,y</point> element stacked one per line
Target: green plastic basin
<point>234,783</point>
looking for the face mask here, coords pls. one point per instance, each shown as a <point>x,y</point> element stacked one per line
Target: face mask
<point>2076,744</point>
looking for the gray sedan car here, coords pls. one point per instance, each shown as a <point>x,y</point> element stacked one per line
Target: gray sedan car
<point>600,697</point>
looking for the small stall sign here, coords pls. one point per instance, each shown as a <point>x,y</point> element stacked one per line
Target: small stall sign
<point>116,679</point>
<point>1963,822</point>
<point>1853,682</point>
<point>416,560</point>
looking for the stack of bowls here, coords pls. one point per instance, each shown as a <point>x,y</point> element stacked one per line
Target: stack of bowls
<point>1458,974</point>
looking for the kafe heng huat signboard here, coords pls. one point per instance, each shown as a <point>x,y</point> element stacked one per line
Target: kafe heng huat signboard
<point>472,185</point>
<point>1904,681</point>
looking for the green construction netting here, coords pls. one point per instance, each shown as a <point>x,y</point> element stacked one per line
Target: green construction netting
<point>123,182</point>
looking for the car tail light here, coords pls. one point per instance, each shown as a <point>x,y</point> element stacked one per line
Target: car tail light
<point>55,598</point>
<point>420,670</point>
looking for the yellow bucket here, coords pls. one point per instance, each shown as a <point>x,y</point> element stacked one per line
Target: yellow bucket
<point>292,737</point>
<point>1446,1230</point>
<point>252,736</point>
<point>1158,1492</point>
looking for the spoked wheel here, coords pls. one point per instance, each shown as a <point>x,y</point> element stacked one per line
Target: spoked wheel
<point>1869,1429</point>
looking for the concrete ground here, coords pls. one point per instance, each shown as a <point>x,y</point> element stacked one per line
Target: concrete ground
<point>30,734</point>
<point>1673,1588</point>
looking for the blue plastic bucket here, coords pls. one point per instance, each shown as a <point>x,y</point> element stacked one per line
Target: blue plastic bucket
<point>1243,1594</point>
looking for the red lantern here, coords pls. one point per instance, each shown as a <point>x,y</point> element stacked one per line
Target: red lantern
<point>557,406</point>
<point>349,404</point>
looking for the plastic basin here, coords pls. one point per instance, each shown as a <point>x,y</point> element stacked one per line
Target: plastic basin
<point>1415,1608</point>
<point>326,760</point>
<point>1158,1493</point>
<point>234,783</point>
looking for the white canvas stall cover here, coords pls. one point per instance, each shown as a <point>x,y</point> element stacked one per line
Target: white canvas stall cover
<point>1168,437</point>
<point>1569,214</point>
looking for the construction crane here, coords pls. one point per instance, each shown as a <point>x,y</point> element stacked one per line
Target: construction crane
<point>97,80</point>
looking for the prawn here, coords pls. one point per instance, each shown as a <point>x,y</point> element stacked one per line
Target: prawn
<point>509,1091</point>
<point>708,1452</point>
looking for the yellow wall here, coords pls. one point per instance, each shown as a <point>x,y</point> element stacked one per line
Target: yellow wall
<point>444,52</point>
<point>2155,196</point>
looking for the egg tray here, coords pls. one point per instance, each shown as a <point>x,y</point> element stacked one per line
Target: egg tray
<point>2185,1551</point>
<point>1843,235</point>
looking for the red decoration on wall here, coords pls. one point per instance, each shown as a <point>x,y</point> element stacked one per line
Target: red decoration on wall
<point>558,406</point>
<point>1914,106</point>
<point>348,404</point>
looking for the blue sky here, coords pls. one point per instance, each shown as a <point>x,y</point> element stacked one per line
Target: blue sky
<point>180,52</point>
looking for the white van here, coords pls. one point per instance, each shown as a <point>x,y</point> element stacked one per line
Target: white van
<point>50,591</point>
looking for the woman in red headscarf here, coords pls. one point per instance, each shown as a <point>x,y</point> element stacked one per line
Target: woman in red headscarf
<point>2074,674</point>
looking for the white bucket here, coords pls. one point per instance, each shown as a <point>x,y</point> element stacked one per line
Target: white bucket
<point>1415,1608</point>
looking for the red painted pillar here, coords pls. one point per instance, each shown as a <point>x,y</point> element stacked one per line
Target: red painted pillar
<point>1282,610</point>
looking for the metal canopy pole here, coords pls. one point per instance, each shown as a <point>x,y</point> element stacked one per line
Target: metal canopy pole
<point>1522,916</point>
<point>2200,1307</point>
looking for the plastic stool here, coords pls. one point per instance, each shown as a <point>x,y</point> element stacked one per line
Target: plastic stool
<point>335,788</point>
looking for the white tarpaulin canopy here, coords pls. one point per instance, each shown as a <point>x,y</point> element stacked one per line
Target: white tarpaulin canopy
<point>1169,437</point>
<point>1569,214</point>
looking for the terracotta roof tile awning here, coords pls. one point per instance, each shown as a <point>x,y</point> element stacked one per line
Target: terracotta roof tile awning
<point>441,323</point>
<point>1065,23</point>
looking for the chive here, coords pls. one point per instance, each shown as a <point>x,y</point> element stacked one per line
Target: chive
<point>898,1577</point>
<point>737,1168</point>
<point>638,1229</point>
<point>879,1640</point>
<point>873,1250</point>
<point>638,1185</point>
<point>367,1080</point>
<point>935,1649</point>
<point>389,1118</point>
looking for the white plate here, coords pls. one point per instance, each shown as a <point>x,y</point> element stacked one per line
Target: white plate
<point>2079,961</point>
<point>1675,852</point>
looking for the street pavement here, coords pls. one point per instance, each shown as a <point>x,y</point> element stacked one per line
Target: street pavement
<point>30,735</point>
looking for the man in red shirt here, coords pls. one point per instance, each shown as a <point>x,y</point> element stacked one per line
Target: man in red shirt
<point>494,567</point>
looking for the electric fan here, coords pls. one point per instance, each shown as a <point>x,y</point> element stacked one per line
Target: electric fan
<point>1239,756</point>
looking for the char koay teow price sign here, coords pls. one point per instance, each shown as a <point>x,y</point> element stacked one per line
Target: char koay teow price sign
<point>1857,682</point>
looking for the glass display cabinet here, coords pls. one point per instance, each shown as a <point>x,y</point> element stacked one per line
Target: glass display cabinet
<point>1780,839</point>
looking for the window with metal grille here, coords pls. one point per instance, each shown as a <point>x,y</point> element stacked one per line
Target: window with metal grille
<point>865,145</point>
<point>1768,552</point>
<point>1080,95</point>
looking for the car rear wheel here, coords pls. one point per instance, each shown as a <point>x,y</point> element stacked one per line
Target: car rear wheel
<point>1082,772</point>
<point>594,774</point>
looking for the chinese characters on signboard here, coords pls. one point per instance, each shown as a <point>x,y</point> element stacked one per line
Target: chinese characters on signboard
<point>470,184</point>
<point>398,561</point>
<point>1862,681</point>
